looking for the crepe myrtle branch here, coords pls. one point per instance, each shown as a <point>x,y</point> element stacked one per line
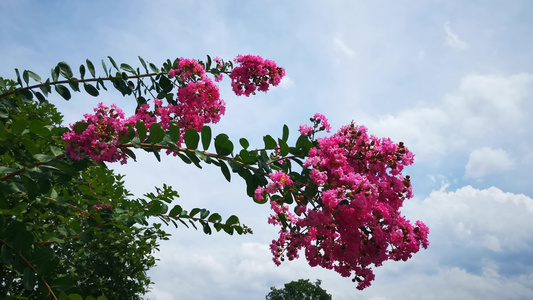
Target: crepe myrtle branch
<point>31,267</point>
<point>72,80</point>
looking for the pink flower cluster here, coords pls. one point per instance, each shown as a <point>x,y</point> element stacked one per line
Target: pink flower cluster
<point>320,123</point>
<point>198,103</point>
<point>347,215</point>
<point>254,73</point>
<point>99,140</point>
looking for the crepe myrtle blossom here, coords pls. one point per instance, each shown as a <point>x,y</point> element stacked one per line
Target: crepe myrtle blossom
<point>320,123</point>
<point>347,215</point>
<point>198,104</point>
<point>254,73</point>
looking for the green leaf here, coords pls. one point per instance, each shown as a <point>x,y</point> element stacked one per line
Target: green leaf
<point>19,126</point>
<point>5,170</point>
<point>215,218</point>
<point>223,145</point>
<point>244,143</point>
<point>143,63</point>
<point>39,96</point>
<point>82,71</point>
<point>18,77</point>
<point>154,68</point>
<point>175,211</point>
<point>249,158</point>
<point>204,213</point>
<point>91,90</point>
<point>156,154</point>
<point>206,137</point>
<point>30,146</point>
<point>7,254</point>
<point>165,84</point>
<point>191,138</point>
<point>225,170</point>
<point>284,148</point>
<point>262,164</point>
<point>105,68</point>
<point>23,241</point>
<point>80,127</point>
<point>34,76</point>
<point>192,156</point>
<point>43,157</point>
<point>54,72</point>
<point>90,66</point>
<point>129,153</point>
<point>270,142</point>
<point>74,297</point>
<point>46,88</point>
<point>207,229</point>
<point>232,220</point>
<point>63,91</point>
<point>113,63</point>
<point>25,76</point>
<point>65,70</point>
<point>285,133</point>
<point>29,280</point>
<point>194,211</point>
<point>174,132</point>
<point>141,130</point>
<point>184,158</point>
<point>74,85</point>
<point>157,134</point>
<point>24,94</point>
<point>128,68</point>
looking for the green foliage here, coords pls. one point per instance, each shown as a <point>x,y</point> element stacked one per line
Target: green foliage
<point>68,228</point>
<point>299,290</point>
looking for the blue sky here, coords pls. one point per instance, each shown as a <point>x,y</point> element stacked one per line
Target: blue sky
<point>452,79</point>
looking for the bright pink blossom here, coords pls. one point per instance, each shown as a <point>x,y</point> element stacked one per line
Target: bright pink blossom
<point>254,73</point>
<point>351,220</point>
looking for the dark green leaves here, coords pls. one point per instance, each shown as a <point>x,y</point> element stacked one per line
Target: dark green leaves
<point>141,130</point>
<point>65,70</point>
<point>157,134</point>
<point>244,143</point>
<point>90,66</point>
<point>206,137</point>
<point>32,75</point>
<point>223,145</point>
<point>270,143</point>
<point>225,170</point>
<point>174,132</point>
<point>128,68</point>
<point>63,91</point>
<point>80,127</point>
<point>285,133</point>
<point>191,138</point>
<point>91,90</point>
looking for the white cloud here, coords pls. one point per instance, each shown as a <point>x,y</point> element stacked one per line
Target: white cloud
<point>469,219</point>
<point>485,161</point>
<point>453,39</point>
<point>341,46</point>
<point>286,82</point>
<point>483,108</point>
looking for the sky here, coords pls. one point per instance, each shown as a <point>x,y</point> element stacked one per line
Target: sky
<point>451,79</point>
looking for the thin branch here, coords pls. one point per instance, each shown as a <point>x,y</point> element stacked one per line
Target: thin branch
<point>180,149</point>
<point>31,267</point>
<point>76,81</point>
<point>39,163</point>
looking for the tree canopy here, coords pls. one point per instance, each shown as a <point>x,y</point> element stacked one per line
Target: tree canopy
<point>299,290</point>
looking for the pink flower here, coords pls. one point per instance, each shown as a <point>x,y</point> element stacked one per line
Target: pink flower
<point>254,73</point>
